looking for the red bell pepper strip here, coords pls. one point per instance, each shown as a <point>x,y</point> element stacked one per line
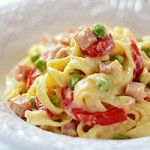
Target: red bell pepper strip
<point>66,96</point>
<point>147,99</point>
<point>102,47</point>
<point>111,116</point>
<point>40,106</point>
<point>33,74</point>
<point>138,60</point>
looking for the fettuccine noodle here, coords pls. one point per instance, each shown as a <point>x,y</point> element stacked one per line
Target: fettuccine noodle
<point>91,83</point>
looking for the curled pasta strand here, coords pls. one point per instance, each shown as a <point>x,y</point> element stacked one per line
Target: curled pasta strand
<point>41,93</point>
<point>40,117</point>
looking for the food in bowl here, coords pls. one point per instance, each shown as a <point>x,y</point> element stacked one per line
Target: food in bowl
<point>93,83</point>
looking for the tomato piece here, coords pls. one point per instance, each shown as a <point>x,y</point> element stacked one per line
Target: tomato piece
<point>66,96</point>
<point>138,60</point>
<point>100,48</point>
<point>108,117</point>
<point>40,106</point>
<point>147,99</point>
<point>33,74</point>
<point>49,113</point>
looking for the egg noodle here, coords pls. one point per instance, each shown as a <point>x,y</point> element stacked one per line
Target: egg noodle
<point>98,89</point>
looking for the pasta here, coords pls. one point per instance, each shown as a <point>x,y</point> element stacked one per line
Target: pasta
<point>92,83</point>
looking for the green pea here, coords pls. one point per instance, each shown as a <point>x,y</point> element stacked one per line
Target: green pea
<point>103,83</point>
<point>32,100</point>
<point>146,50</point>
<point>99,30</point>
<point>34,56</point>
<point>40,64</point>
<point>55,100</point>
<point>120,137</point>
<point>120,58</point>
<point>74,80</point>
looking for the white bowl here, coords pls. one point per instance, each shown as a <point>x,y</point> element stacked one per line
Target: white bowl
<point>22,24</point>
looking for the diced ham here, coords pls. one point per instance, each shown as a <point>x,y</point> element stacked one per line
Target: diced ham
<point>62,53</point>
<point>85,38</point>
<point>63,38</point>
<point>69,129</point>
<point>20,72</point>
<point>147,90</point>
<point>57,51</point>
<point>60,38</point>
<point>136,90</point>
<point>20,105</point>
<point>105,68</point>
<point>54,50</point>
